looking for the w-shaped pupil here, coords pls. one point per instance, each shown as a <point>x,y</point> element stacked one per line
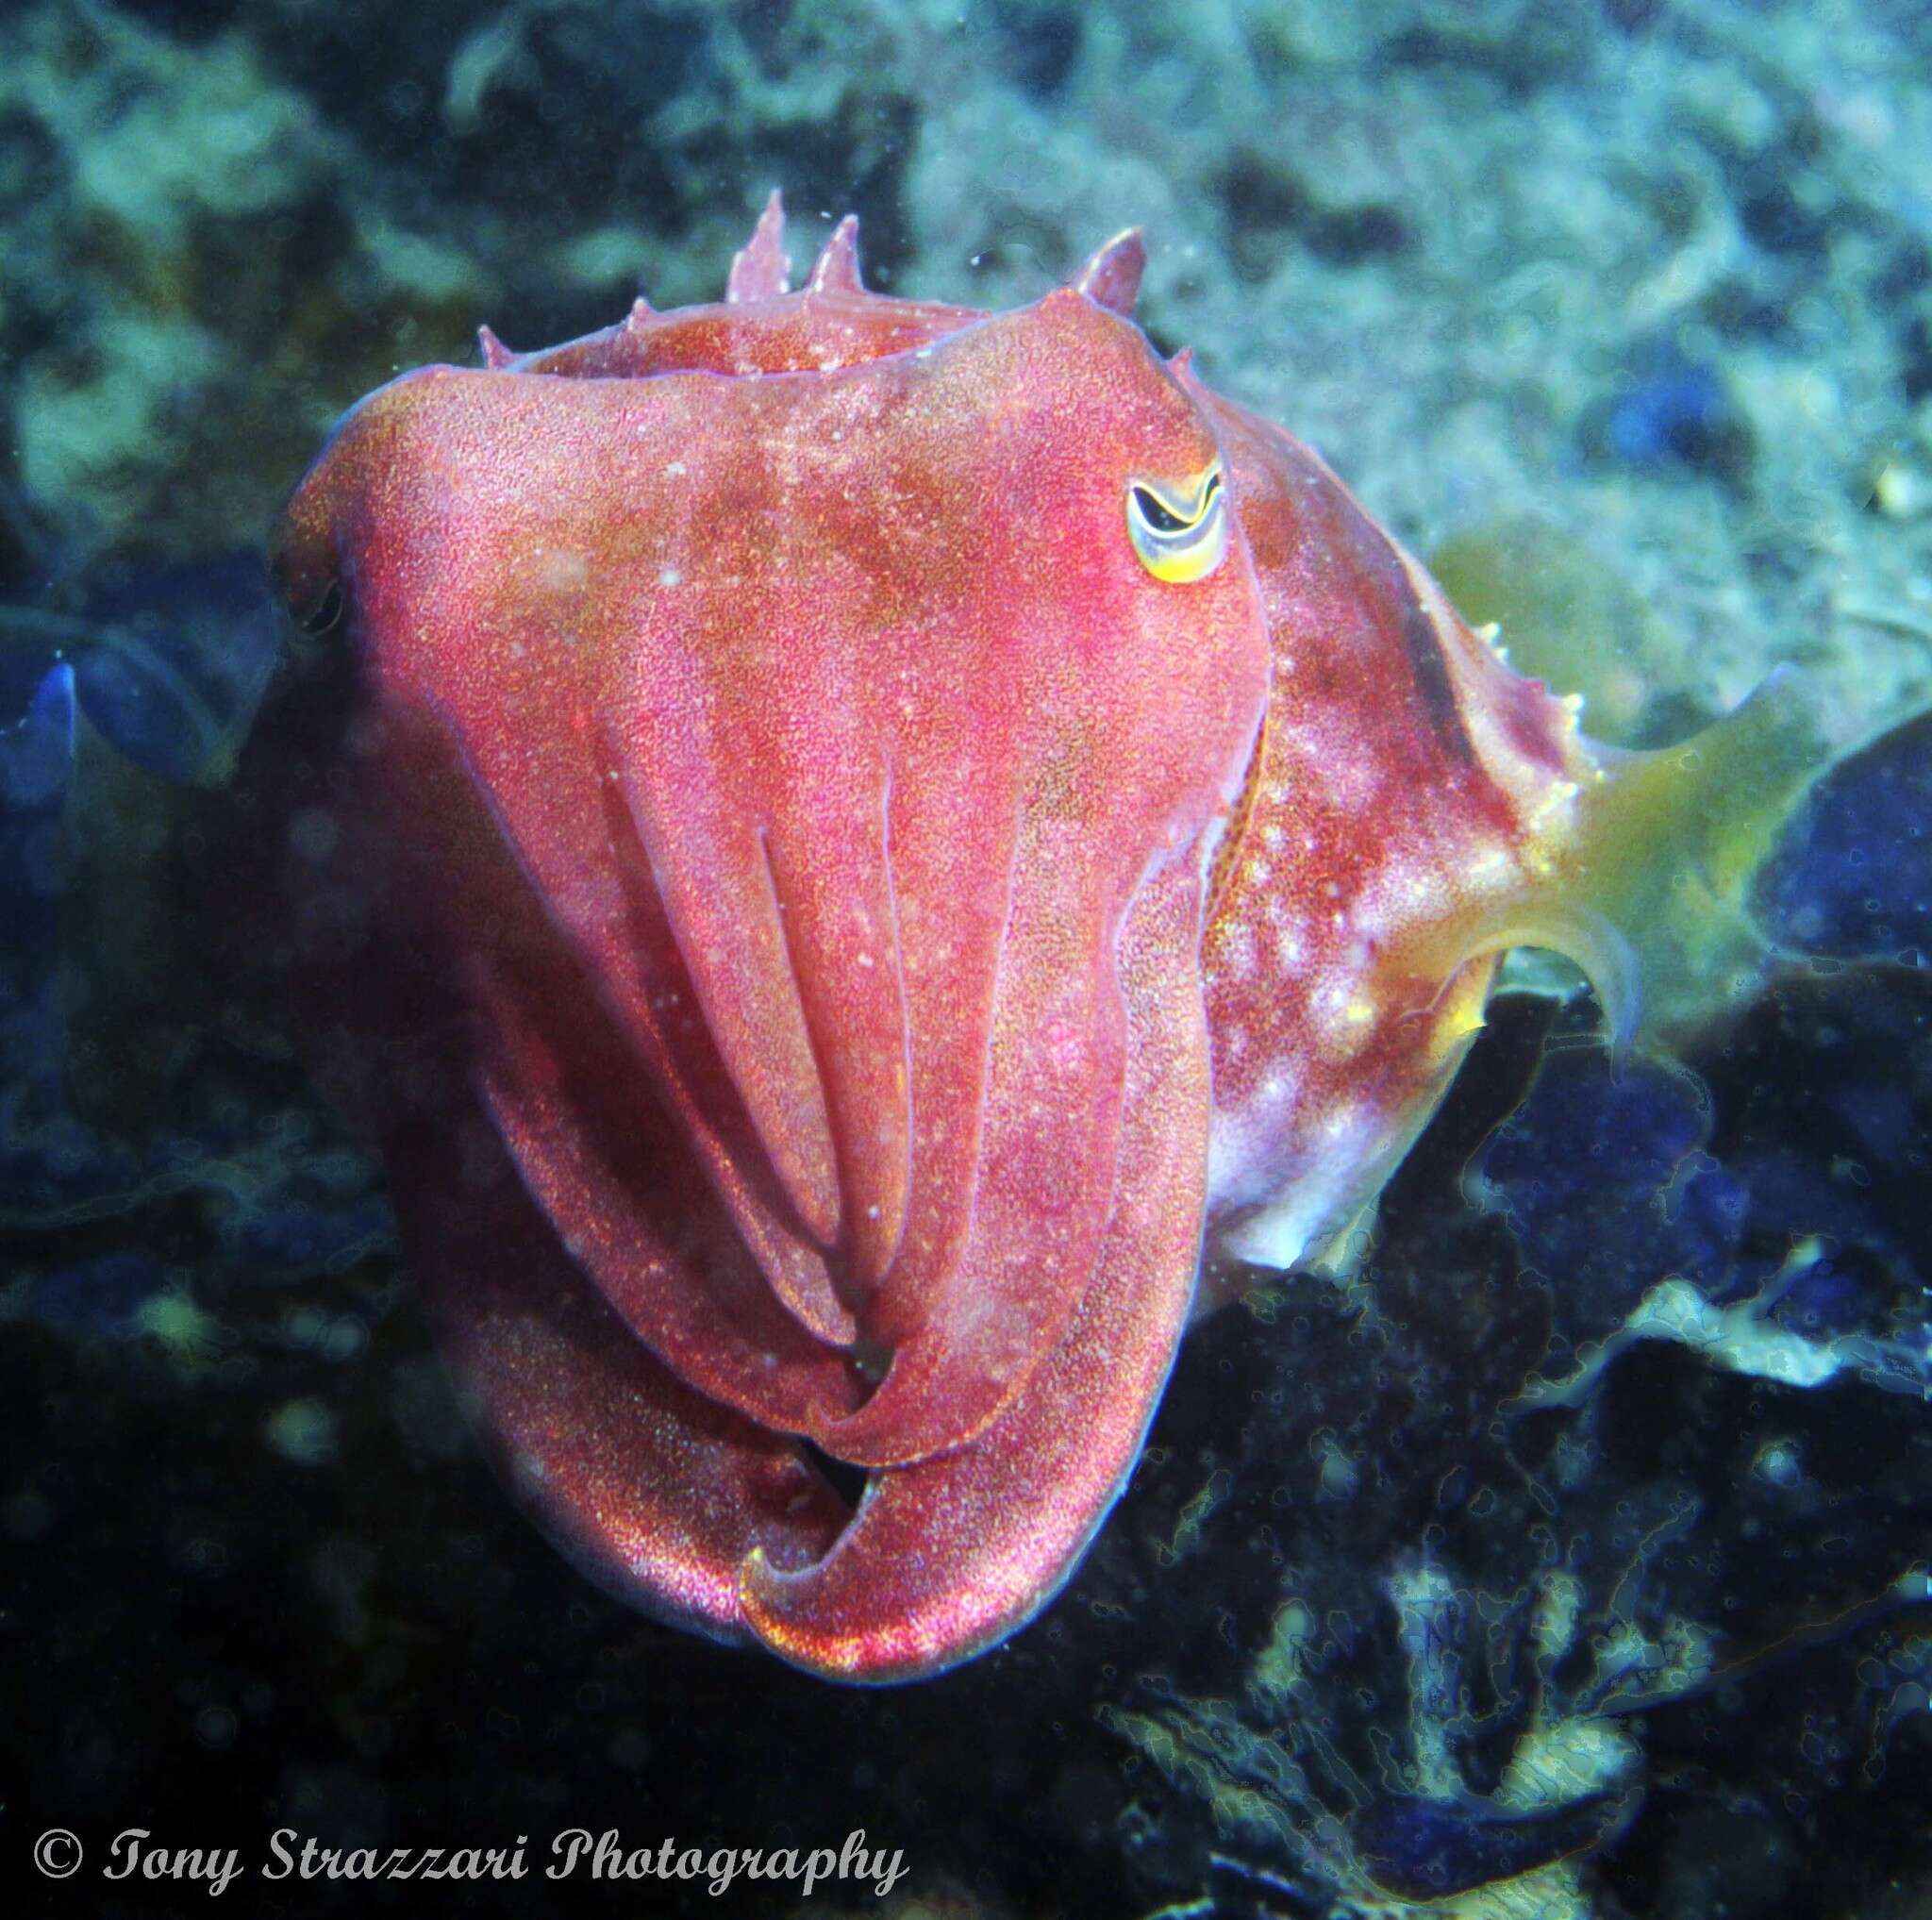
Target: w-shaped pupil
<point>1158,516</point>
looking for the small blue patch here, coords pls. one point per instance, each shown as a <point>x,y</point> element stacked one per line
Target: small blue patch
<point>101,1297</point>
<point>1666,417</point>
<point>1853,877</point>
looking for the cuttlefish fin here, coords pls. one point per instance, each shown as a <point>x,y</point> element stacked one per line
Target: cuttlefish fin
<point>1643,878</point>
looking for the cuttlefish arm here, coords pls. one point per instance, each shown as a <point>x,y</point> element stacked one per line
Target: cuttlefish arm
<point>654,1493</point>
<point>715,1524</point>
<point>994,1529</point>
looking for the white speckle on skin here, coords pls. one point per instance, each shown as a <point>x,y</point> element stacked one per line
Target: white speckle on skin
<point>1340,1012</point>
<point>1246,1145</point>
<point>1403,893</point>
<point>669,577</point>
<point>1339,1122</point>
<point>1309,1204</point>
<point>1234,949</point>
<point>1491,868</point>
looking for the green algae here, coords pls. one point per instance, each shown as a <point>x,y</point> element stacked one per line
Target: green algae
<point>1672,845</point>
<point>1569,619</point>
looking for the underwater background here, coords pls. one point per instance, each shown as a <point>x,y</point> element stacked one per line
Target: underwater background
<point>1572,1561</point>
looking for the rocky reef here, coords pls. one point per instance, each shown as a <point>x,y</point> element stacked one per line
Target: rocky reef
<point>1569,1559</point>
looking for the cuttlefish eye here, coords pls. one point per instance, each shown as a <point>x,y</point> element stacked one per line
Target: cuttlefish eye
<point>1180,535</point>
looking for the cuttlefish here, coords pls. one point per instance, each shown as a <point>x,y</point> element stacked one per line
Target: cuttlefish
<point>864,860</point>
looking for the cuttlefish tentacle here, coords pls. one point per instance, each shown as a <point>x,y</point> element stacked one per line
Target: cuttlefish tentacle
<point>956,833</point>
<point>624,1128</point>
<point>779,895</point>
<point>949,1555</point>
<point>660,1006</point>
<point>657,1494</point>
<point>708,859</point>
<point>649,1229</point>
<point>968,1336</point>
<point>828,857</point>
<point>1010,1208</point>
<point>549,777</point>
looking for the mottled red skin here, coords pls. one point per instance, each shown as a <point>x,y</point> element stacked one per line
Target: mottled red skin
<point>758,889</point>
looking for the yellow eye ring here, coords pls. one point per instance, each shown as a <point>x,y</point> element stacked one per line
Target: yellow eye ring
<point>1179,536</point>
